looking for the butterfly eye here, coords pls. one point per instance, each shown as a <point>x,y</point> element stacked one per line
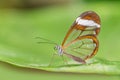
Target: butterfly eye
<point>56,48</point>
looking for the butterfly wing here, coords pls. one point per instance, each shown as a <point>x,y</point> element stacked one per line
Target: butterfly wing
<point>83,47</point>
<point>87,23</point>
<point>81,39</point>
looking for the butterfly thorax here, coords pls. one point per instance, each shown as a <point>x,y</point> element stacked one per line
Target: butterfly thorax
<point>59,49</point>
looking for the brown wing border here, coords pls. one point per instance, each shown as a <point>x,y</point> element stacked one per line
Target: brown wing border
<point>95,40</point>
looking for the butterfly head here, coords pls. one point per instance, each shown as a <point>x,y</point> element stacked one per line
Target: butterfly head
<point>58,49</point>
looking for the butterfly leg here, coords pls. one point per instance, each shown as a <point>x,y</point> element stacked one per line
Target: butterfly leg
<point>64,60</point>
<point>52,58</point>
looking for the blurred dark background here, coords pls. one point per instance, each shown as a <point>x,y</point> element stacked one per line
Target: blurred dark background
<point>31,3</point>
<point>43,3</point>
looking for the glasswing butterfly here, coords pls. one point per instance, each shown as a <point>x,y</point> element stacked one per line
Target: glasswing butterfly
<point>80,42</point>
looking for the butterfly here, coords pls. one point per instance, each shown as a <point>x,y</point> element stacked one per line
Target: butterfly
<point>80,42</point>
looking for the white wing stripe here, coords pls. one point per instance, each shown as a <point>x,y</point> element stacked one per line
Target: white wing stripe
<point>89,23</point>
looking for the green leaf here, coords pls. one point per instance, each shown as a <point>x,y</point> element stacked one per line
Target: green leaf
<point>97,66</point>
<point>101,66</point>
<point>18,46</point>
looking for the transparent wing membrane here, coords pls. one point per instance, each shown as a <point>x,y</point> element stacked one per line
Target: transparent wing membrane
<point>74,34</point>
<point>82,48</point>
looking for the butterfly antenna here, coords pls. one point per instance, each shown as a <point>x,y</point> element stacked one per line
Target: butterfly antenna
<point>47,41</point>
